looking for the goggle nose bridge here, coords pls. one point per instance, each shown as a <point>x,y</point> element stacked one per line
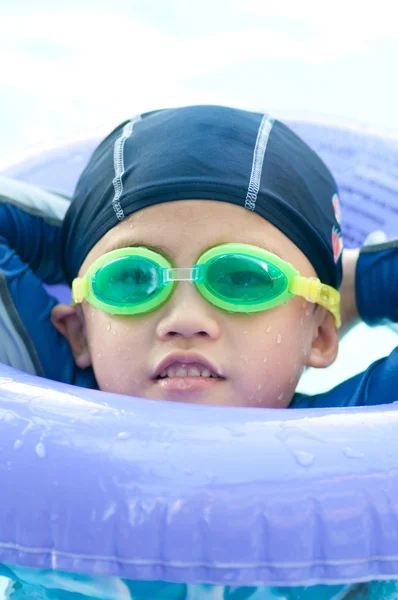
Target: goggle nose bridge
<point>182,274</point>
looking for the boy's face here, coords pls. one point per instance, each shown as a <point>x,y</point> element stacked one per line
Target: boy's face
<point>259,356</point>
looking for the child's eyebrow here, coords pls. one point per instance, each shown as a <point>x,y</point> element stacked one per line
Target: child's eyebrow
<point>269,248</point>
<point>167,253</point>
<point>128,244</point>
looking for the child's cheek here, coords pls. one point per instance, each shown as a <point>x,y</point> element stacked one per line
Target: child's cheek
<point>278,352</point>
<point>118,353</point>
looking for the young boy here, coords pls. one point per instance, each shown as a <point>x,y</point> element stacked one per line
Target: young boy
<point>260,186</point>
<point>180,182</point>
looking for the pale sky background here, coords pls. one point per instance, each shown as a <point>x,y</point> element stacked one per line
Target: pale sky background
<point>85,65</point>
<point>67,69</point>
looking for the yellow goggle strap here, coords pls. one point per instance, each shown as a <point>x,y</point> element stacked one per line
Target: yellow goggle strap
<point>79,290</point>
<point>316,292</point>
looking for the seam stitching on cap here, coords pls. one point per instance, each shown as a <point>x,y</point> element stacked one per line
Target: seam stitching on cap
<point>118,163</point>
<point>258,160</point>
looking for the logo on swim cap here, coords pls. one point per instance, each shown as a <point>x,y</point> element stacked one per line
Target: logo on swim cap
<point>336,206</point>
<point>337,243</point>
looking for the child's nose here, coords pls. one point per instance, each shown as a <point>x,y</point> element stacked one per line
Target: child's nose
<point>187,314</point>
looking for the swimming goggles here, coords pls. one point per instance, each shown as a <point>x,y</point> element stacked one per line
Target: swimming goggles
<point>238,278</point>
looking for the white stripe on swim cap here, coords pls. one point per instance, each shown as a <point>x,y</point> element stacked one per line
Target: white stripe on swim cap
<point>258,159</point>
<point>118,163</point>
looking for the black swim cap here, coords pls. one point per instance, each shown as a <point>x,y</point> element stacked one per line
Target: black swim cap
<point>213,153</point>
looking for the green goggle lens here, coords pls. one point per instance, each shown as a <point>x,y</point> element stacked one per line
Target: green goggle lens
<point>129,280</point>
<point>244,279</point>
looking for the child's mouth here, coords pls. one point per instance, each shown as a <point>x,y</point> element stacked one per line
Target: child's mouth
<point>190,377</point>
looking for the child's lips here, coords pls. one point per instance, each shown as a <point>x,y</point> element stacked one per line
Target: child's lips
<point>187,384</point>
<point>185,360</point>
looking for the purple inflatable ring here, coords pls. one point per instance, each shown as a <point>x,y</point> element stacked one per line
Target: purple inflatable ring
<point>105,484</point>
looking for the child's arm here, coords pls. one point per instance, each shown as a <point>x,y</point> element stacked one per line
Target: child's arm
<point>369,290</point>
<point>29,255</point>
<point>371,293</point>
<point>30,224</point>
<point>377,385</point>
<point>28,247</point>
<point>376,283</point>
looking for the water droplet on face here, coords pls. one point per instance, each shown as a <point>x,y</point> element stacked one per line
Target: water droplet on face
<point>268,329</point>
<point>265,359</point>
<point>305,459</point>
<point>108,327</point>
<point>351,453</point>
<point>281,396</point>
<point>123,435</point>
<point>40,450</point>
<point>279,338</point>
<point>99,355</point>
<point>18,444</point>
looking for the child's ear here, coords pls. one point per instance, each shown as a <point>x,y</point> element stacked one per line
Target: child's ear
<point>69,321</point>
<point>325,340</point>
